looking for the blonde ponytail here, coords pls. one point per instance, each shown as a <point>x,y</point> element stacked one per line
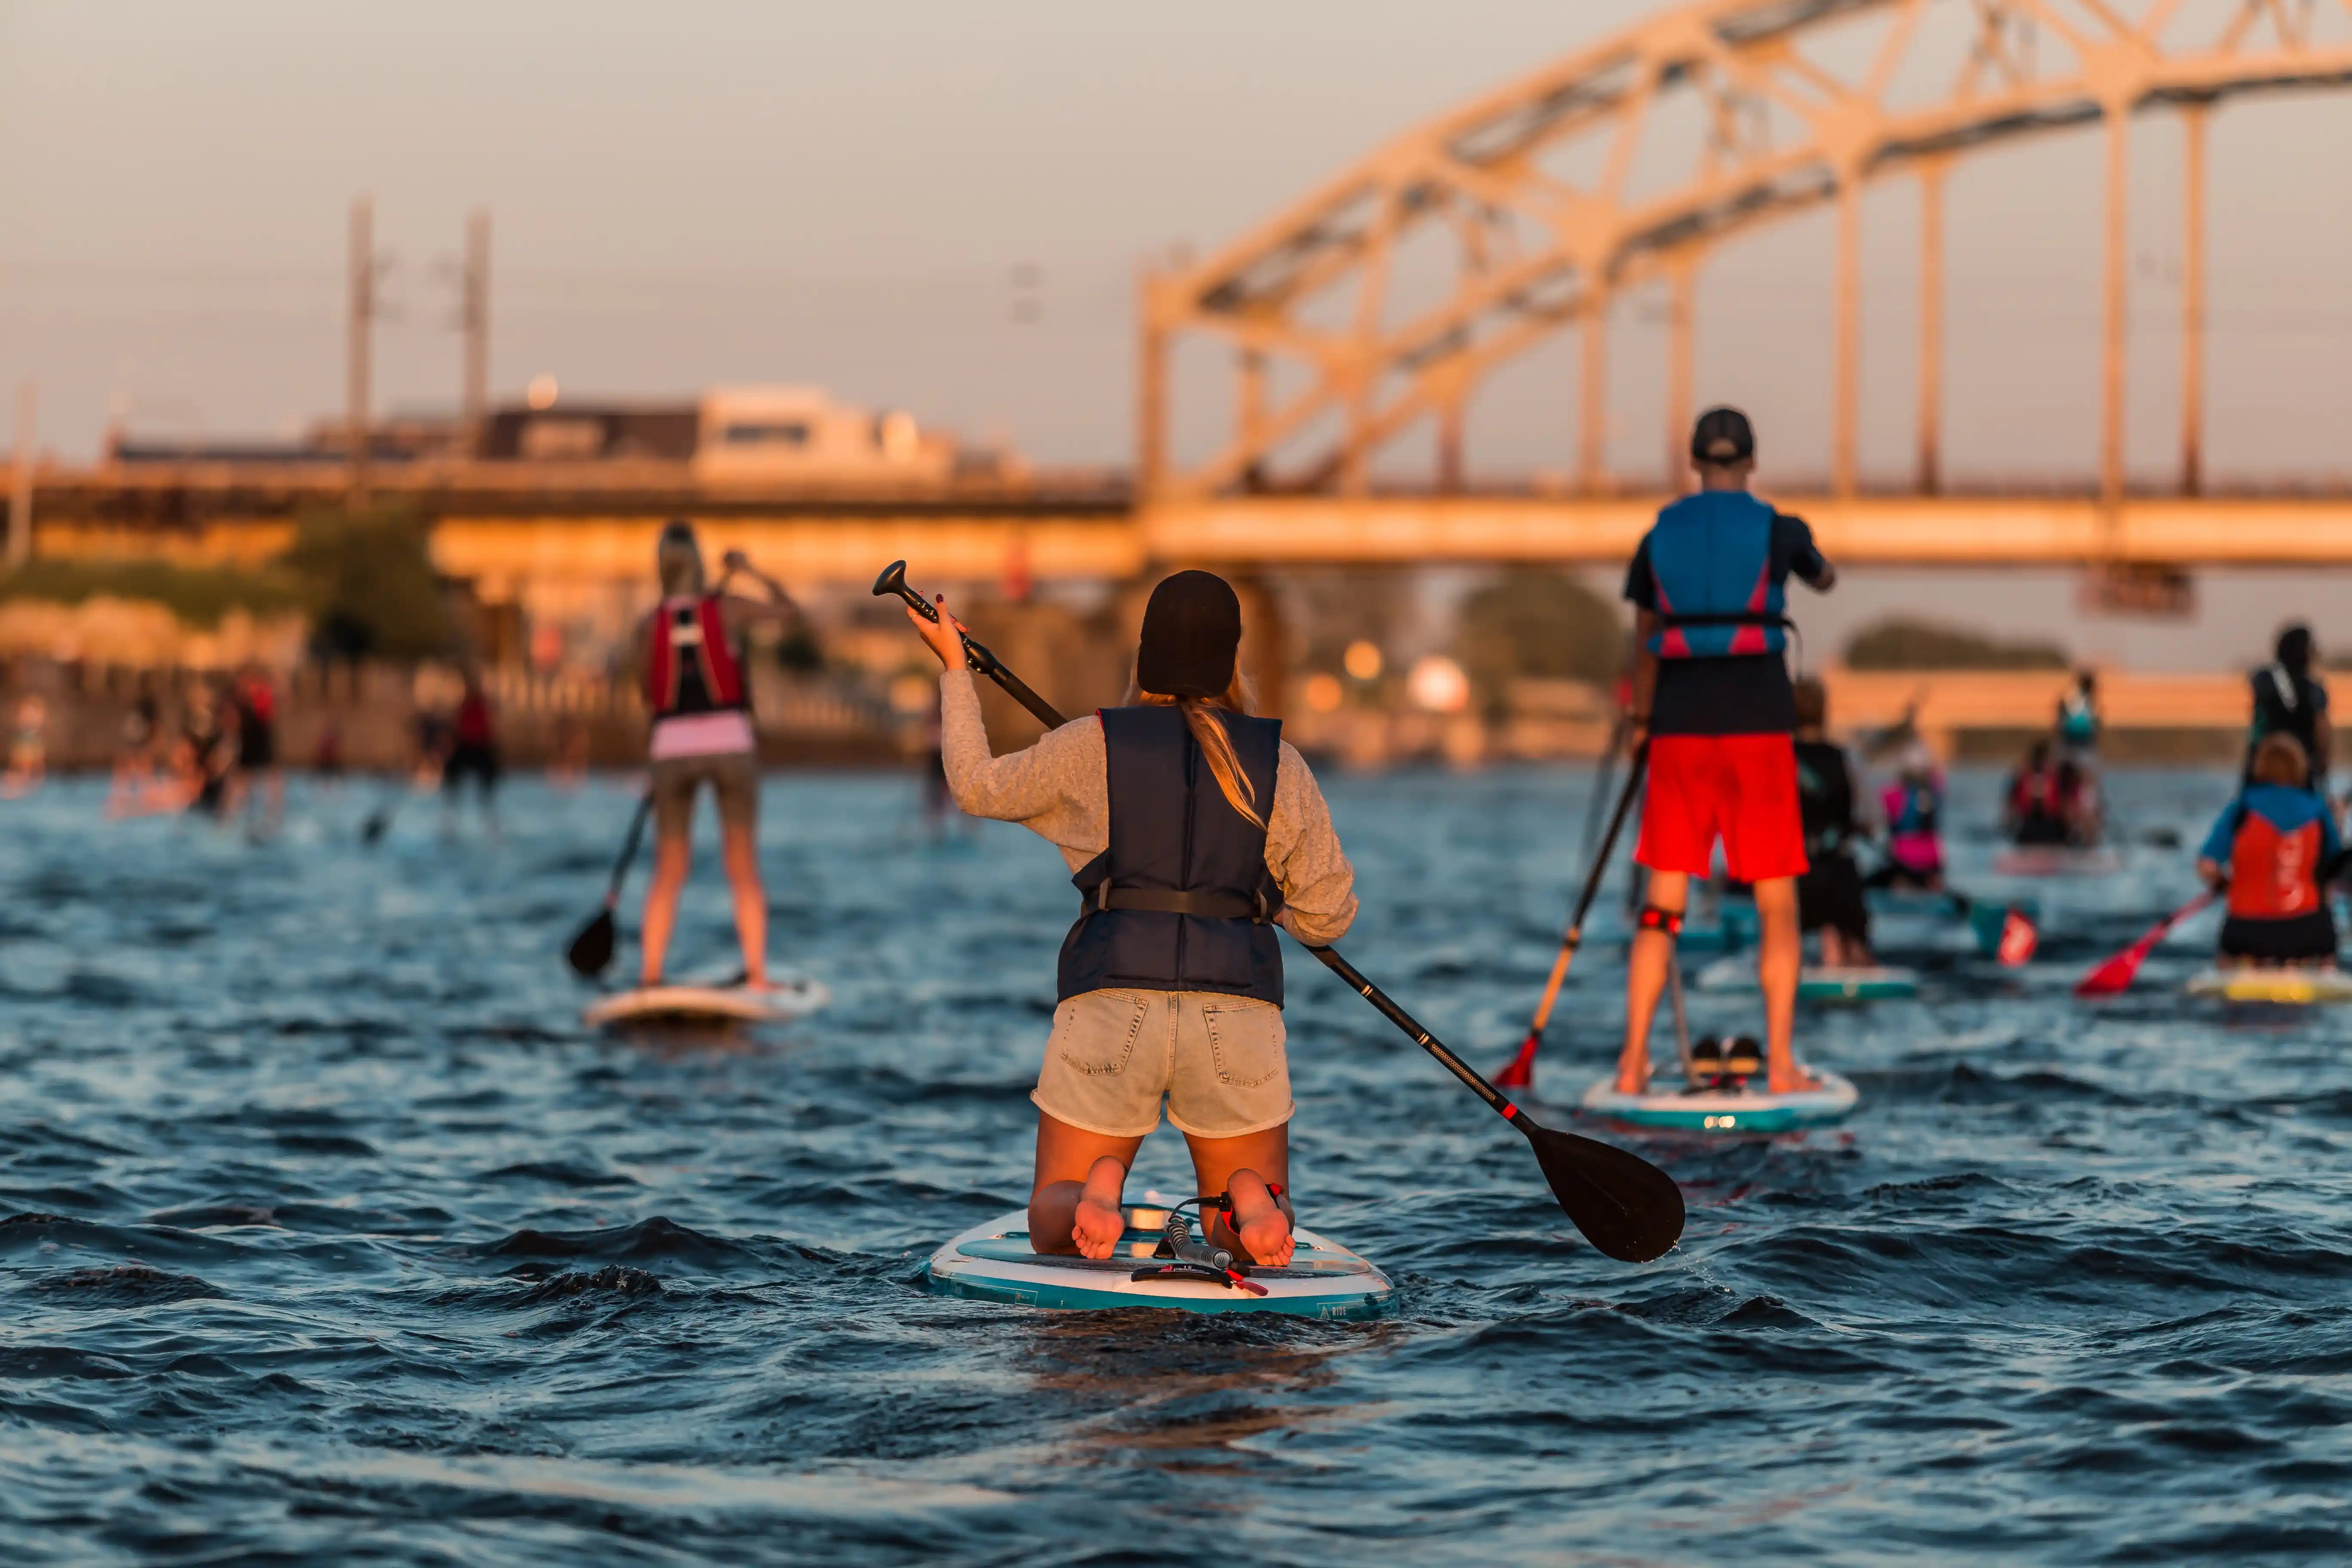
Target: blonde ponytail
<point>1203,717</point>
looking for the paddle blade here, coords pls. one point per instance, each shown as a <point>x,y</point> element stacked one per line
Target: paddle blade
<point>1625,1207</point>
<point>2113,977</point>
<point>2019,938</point>
<point>1519,1072</point>
<point>592,949</point>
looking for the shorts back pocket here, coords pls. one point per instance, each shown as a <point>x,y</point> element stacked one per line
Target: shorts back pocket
<point>1095,1034</point>
<point>1246,1042</point>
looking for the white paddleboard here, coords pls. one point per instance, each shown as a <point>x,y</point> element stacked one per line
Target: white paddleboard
<point>706,1005</point>
<point>2293,987</point>
<point>993,1262</point>
<point>1739,1111</point>
<point>2056,860</point>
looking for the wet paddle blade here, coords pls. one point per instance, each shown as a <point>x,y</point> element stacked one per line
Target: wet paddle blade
<point>1625,1207</point>
<point>592,949</point>
<point>1519,1072</point>
<point>2113,977</point>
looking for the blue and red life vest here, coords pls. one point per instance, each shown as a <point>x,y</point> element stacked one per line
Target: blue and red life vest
<point>2277,842</point>
<point>1181,899</point>
<point>1718,598</point>
<point>690,667</point>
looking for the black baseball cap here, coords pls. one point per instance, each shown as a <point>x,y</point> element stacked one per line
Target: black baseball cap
<point>1722,435</point>
<point>1191,631</point>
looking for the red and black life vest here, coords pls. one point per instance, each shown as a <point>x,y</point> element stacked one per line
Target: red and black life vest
<point>691,667</point>
<point>2274,871</point>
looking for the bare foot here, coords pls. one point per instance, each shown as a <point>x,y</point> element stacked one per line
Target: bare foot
<point>1100,1222</point>
<point>1633,1076</point>
<point>1258,1222</point>
<point>1791,1080</point>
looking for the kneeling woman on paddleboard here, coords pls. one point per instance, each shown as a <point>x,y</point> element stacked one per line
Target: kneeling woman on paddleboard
<point>1192,829</point>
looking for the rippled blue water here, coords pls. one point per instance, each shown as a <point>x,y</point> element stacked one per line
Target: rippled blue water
<point>333,1235</point>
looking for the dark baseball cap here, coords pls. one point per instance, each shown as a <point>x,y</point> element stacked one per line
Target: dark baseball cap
<point>1722,435</point>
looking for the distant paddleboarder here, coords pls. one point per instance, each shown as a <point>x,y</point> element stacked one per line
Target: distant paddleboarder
<point>1192,829</point>
<point>694,660</point>
<point>2289,698</point>
<point>1711,694</point>
<point>2272,850</point>
<point>473,751</point>
<point>1834,806</point>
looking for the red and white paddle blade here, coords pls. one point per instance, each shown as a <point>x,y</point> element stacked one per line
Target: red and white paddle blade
<point>2019,938</point>
<point>1519,1072</point>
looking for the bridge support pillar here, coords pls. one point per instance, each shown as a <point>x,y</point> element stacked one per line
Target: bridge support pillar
<point>2194,119</point>
<point>1449,446</point>
<point>1846,413</point>
<point>1931,324</point>
<point>1592,447</point>
<point>1266,647</point>
<point>1151,391</point>
<point>1681,367</point>
<point>2111,417</point>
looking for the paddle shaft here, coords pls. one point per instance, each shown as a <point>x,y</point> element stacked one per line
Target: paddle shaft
<point>628,850</point>
<point>1574,936</point>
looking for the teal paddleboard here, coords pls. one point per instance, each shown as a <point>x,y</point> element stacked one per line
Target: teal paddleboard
<point>992,1262</point>
<point>1737,1111</point>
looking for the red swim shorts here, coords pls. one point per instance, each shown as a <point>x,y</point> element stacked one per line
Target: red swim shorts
<point>1742,788</point>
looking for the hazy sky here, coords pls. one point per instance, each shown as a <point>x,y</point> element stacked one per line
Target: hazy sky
<point>689,194</point>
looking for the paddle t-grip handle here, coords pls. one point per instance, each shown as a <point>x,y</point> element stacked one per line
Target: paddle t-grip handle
<point>976,656</point>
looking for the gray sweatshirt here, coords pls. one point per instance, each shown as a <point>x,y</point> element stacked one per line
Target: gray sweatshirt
<point>1060,790</point>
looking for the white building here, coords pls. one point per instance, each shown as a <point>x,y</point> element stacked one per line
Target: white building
<point>767,434</point>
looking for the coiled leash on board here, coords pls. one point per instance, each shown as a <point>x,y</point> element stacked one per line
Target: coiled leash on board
<point>1198,1260</point>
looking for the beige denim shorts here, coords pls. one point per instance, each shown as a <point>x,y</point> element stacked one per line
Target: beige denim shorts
<point>733,777</point>
<point>1218,1060</point>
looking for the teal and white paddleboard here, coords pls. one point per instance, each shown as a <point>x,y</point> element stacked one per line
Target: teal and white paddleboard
<point>687,1006</point>
<point>1877,982</point>
<point>1817,983</point>
<point>2287,987</point>
<point>1734,1111</point>
<point>992,1262</point>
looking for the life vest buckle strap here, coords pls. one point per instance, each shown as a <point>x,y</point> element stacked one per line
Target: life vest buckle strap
<point>1211,906</point>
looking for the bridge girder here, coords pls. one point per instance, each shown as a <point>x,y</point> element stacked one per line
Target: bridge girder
<point>1538,251</point>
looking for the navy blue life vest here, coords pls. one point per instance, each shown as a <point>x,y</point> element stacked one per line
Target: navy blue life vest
<point>1181,899</point>
<point>1711,558</point>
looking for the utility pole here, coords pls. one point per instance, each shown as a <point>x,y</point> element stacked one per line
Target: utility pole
<point>474,314</point>
<point>359,333</point>
<point>20,487</point>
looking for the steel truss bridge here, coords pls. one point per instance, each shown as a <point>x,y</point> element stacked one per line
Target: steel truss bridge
<point>1386,298</point>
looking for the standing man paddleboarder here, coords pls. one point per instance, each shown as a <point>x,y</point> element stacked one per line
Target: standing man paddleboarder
<point>1192,829</point>
<point>1712,699</point>
<point>698,685</point>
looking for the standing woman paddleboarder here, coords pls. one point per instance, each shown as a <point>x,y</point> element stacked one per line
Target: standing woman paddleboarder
<point>693,652</point>
<point>1192,829</point>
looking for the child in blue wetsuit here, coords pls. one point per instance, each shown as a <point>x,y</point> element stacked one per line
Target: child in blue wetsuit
<point>2275,849</point>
